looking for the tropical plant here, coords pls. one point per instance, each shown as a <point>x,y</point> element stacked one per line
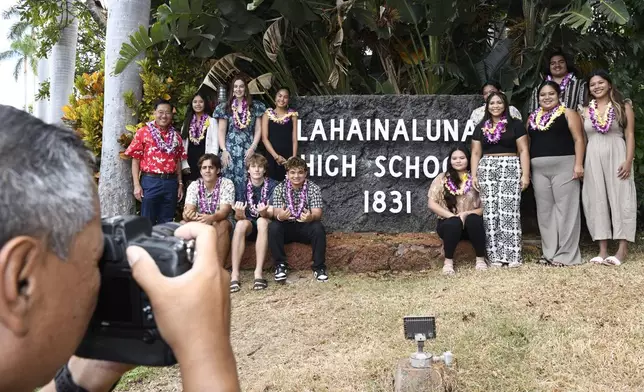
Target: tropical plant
<point>84,114</point>
<point>24,51</point>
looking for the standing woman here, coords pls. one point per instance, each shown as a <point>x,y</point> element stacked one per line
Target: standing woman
<point>501,171</point>
<point>239,133</point>
<point>279,134</point>
<point>557,154</point>
<point>458,207</point>
<point>199,135</point>
<point>608,194</point>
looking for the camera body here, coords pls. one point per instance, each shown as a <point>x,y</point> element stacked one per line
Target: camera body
<point>123,328</point>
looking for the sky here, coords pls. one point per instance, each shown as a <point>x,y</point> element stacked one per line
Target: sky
<point>12,92</point>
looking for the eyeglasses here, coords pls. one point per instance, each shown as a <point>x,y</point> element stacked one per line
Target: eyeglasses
<point>160,113</point>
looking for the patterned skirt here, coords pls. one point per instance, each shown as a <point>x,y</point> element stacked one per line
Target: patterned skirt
<point>500,183</point>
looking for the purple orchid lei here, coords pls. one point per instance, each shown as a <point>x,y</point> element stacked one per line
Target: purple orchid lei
<point>601,125</point>
<point>453,189</point>
<point>197,131</point>
<point>289,198</point>
<point>161,144</point>
<point>204,207</point>
<point>494,135</point>
<point>249,197</point>
<point>240,121</point>
<point>564,81</point>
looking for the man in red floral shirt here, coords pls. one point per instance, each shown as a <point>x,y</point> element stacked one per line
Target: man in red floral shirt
<point>156,152</point>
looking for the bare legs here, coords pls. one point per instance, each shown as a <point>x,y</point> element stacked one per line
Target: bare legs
<point>242,229</point>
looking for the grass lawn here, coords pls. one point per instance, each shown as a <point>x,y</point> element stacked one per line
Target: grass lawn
<point>530,329</point>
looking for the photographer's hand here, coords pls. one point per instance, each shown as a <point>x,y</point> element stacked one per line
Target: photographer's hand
<point>192,311</point>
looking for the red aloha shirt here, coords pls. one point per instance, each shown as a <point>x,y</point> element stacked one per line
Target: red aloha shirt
<point>152,159</point>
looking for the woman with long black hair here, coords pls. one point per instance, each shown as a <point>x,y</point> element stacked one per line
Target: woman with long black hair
<point>458,207</point>
<point>608,194</point>
<point>501,171</point>
<point>199,134</point>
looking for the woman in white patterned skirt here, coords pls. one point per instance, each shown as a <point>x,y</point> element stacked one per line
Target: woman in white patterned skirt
<point>501,171</point>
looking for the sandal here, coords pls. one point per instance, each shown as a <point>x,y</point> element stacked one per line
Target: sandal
<point>234,286</point>
<point>543,260</point>
<point>597,260</point>
<point>260,284</point>
<point>612,260</point>
<point>555,264</point>
<point>515,264</point>
<point>480,265</point>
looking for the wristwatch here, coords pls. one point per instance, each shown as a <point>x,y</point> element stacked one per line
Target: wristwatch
<point>65,383</point>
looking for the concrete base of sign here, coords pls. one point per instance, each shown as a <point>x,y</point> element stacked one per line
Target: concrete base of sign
<point>370,252</point>
<point>436,378</point>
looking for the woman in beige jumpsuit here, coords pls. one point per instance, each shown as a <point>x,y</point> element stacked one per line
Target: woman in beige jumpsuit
<point>608,193</point>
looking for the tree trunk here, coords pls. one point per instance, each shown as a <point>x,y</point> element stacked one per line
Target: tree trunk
<point>43,104</point>
<point>115,183</point>
<point>63,62</point>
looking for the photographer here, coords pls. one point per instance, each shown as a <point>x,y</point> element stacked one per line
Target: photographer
<point>50,245</point>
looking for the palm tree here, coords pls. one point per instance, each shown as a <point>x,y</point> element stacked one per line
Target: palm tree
<point>63,62</point>
<point>23,49</point>
<point>115,184</point>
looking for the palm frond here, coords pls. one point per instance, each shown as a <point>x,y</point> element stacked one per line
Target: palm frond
<point>18,67</point>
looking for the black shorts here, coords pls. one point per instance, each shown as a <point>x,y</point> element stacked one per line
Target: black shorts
<point>252,236</point>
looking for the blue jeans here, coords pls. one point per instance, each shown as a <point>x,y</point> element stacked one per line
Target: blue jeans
<point>159,200</point>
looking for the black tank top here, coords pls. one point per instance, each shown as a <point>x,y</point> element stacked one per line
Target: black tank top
<point>556,141</point>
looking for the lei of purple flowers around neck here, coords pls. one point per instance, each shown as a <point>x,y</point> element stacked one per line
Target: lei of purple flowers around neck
<point>161,144</point>
<point>564,82</point>
<point>204,206</point>
<point>262,199</point>
<point>601,125</point>
<point>493,135</point>
<point>296,213</point>
<point>197,131</point>
<point>454,190</point>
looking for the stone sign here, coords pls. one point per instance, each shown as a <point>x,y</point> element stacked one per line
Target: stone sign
<point>375,156</point>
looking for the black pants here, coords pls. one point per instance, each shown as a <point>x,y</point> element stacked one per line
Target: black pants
<point>452,231</point>
<point>280,233</point>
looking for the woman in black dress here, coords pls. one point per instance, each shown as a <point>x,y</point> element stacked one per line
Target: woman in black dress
<point>199,134</point>
<point>279,134</point>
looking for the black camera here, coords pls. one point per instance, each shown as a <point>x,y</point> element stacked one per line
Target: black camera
<point>123,328</point>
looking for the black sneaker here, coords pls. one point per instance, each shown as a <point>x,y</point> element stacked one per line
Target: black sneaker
<point>281,272</point>
<point>321,275</point>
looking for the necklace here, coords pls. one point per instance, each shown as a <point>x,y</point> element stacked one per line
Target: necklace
<point>601,123</point>
<point>542,120</point>
<point>166,147</point>
<point>493,135</point>
<point>289,198</point>
<point>466,181</point>
<point>198,128</point>
<point>204,206</point>
<point>262,199</point>
<point>272,115</point>
<point>564,82</point>
<point>241,121</point>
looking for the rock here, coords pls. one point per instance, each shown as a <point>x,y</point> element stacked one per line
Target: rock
<point>344,196</point>
<point>370,252</point>
<point>436,378</point>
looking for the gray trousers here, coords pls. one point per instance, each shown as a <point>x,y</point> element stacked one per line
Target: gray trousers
<point>557,197</point>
